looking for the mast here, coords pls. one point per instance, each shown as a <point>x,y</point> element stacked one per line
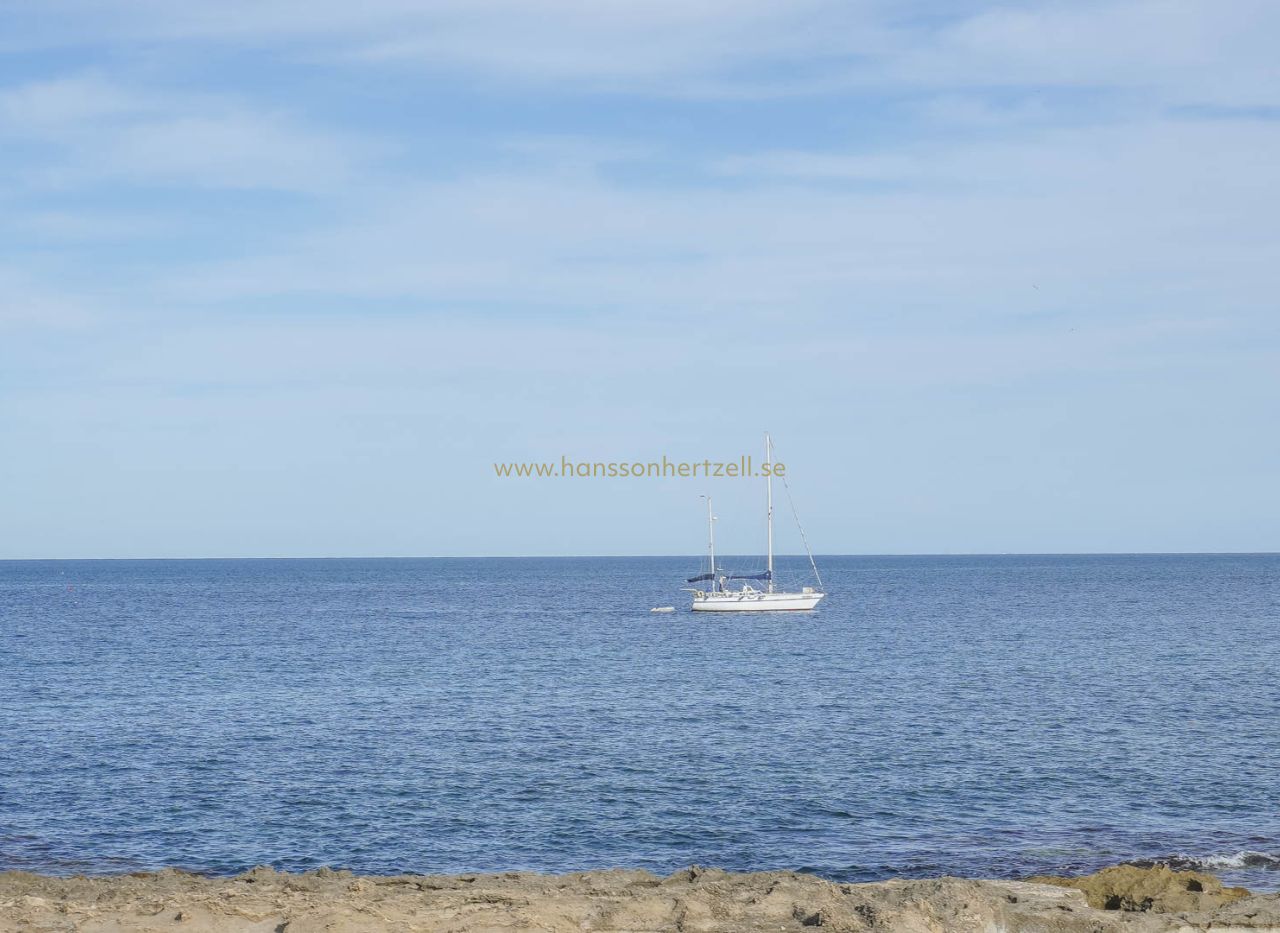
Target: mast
<point>768,485</point>
<point>711,544</point>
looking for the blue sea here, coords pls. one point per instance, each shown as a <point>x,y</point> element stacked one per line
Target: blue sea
<point>976,716</point>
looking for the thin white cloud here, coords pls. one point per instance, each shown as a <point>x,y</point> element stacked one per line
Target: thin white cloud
<point>229,150</point>
<point>549,38</point>
<point>1174,51</point>
<point>823,166</point>
<point>1189,47</point>
<point>94,128</point>
<point>28,304</point>
<point>63,226</point>
<point>1148,211</point>
<point>59,105</point>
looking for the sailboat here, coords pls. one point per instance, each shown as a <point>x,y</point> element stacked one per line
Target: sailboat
<point>721,597</point>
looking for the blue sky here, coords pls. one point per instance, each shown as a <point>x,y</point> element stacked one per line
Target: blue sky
<point>286,278</point>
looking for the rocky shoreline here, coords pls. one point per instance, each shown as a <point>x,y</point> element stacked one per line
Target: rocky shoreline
<point>1125,898</point>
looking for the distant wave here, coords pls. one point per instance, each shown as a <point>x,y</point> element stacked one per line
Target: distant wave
<point>1244,859</point>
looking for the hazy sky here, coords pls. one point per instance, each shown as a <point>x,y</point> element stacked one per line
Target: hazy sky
<point>286,278</point>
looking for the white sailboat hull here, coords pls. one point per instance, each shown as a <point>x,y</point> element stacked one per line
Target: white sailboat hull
<point>749,599</point>
<point>754,601</point>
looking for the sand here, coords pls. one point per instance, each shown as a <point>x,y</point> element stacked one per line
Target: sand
<point>695,899</point>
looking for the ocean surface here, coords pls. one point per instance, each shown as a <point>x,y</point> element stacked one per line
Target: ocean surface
<point>980,716</point>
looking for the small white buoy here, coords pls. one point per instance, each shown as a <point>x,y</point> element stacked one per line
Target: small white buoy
<point>663,609</point>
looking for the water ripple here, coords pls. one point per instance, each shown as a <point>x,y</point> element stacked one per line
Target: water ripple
<point>975,716</point>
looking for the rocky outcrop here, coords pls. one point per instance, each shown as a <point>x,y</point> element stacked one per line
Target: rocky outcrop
<point>1126,887</point>
<point>694,900</point>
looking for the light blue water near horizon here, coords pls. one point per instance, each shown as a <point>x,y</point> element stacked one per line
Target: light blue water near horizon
<point>979,716</point>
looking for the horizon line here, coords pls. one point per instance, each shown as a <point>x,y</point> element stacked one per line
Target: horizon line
<point>19,560</point>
